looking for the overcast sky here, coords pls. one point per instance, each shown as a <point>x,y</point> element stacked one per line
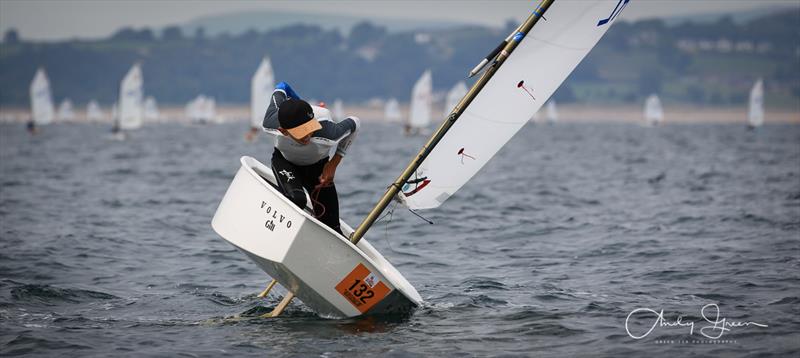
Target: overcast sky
<point>59,19</point>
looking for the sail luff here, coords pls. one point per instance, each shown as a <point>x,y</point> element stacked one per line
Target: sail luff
<point>447,124</point>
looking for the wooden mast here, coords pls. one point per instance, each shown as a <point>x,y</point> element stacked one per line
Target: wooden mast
<point>447,124</point>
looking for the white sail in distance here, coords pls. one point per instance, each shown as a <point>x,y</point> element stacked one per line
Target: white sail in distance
<point>391,112</point>
<point>455,95</point>
<point>151,112</point>
<point>421,101</point>
<point>65,111</point>
<point>261,86</point>
<point>653,112</point>
<point>540,63</point>
<point>552,111</point>
<point>130,99</point>
<point>338,110</point>
<point>93,111</point>
<point>755,115</point>
<point>42,110</point>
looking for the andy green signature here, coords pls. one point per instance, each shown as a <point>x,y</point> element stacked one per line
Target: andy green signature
<point>714,330</point>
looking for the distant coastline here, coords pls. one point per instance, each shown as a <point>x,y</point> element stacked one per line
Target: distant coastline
<point>568,113</point>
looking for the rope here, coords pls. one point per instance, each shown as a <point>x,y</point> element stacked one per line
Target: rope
<point>315,202</point>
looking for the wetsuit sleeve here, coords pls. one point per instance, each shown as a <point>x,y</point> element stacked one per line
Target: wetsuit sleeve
<point>348,129</point>
<point>271,117</point>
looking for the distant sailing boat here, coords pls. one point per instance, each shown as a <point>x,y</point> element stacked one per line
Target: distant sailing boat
<point>755,114</point>
<point>552,111</point>
<point>455,95</point>
<point>337,277</point>
<point>42,110</point>
<point>151,112</point>
<point>130,101</point>
<point>653,113</point>
<point>391,112</point>
<point>202,110</point>
<point>261,86</point>
<point>65,111</point>
<point>338,110</point>
<point>419,117</point>
<point>93,111</point>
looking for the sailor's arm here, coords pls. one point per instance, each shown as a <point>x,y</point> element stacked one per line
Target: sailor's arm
<point>347,128</point>
<point>282,92</point>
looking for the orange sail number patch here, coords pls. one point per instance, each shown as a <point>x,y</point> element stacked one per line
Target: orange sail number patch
<point>362,288</point>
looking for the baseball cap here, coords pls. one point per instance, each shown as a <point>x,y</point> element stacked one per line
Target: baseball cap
<point>297,117</point>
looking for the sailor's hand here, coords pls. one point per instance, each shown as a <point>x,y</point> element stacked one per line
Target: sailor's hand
<point>288,89</point>
<point>328,172</point>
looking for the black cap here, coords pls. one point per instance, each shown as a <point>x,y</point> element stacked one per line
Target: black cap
<point>297,117</point>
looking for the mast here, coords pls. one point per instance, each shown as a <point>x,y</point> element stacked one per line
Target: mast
<point>447,124</point>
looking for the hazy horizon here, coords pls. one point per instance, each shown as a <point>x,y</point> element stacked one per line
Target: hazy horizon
<point>59,20</point>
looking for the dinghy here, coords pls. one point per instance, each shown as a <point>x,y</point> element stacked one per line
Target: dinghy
<point>391,112</point>
<point>130,100</point>
<point>42,110</point>
<point>552,111</point>
<point>653,113</point>
<point>93,111</point>
<point>419,117</point>
<point>337,277</point>
<point>151,112</point>
<point>65,111</point>
<point>261,85</point>
<point>755,113</point>
<point>455,95</point>
<point>338,110</point>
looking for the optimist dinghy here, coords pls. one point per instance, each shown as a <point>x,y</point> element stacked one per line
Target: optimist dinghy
<point>340,277</point>
<point>331,275</point>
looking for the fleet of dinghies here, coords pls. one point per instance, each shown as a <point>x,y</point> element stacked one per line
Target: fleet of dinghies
<point>755,113</point>
<point>653,112</point>
<point>350,277</point>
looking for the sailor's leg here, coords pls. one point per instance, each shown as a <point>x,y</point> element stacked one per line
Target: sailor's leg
<point>289,177</point>
<point>328,199</point>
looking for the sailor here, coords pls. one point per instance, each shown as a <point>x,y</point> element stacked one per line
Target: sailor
<point>306,137</point>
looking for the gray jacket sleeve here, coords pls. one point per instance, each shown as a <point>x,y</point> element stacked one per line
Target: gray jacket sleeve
<point>271,117</point>
<point>343,132</point>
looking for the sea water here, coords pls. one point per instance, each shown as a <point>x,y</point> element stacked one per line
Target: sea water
<point>575,240</point>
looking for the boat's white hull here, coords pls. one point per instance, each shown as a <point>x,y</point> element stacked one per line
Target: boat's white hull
<point>322,268</point>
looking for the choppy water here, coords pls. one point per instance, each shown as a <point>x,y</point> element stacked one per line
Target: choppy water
<point>106,247</point>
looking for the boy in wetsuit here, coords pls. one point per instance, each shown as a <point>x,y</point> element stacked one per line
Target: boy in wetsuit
<point>301,160</point>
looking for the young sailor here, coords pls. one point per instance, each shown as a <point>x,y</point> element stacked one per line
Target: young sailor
<point>305,137</point>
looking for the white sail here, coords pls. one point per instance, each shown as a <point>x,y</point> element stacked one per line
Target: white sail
<point>455,94</point>
<point>151,112</point>
<point>338,109</point>
<point>552,111</point>
<point>65,111</point>
<point>42,109</point>
<point>755,116</point>
<point>537,67</point>
<point>115,113</point>
<point>261,86</point>
<point>421,101</point>
<point>93,111</point>
<point>130,99</point>
<point>391,112</point>
<point>653,113</point>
